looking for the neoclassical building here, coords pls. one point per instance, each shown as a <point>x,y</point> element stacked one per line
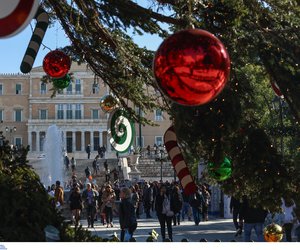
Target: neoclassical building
<point>27,110</point>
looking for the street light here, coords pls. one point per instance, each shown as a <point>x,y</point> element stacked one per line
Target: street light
<point>162,157</point>
<point>10,131</point>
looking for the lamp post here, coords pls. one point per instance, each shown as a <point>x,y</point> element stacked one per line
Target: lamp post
<point>10,131</point>
<point>161,158</point>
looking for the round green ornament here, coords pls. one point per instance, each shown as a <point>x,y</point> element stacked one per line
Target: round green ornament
<point>220,173</point>
<point>63,82</point>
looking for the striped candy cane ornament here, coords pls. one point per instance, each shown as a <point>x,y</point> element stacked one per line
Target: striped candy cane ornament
<point>42,19</point>
<point>182,171</point>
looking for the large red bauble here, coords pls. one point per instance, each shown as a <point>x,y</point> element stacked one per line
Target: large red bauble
<point>191,67</point>
<point>56,64</point>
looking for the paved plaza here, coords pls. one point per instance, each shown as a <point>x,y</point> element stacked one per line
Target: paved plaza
<point>216,228</point>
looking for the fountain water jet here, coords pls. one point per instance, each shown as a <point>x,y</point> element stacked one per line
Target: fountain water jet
<point>53,165</point>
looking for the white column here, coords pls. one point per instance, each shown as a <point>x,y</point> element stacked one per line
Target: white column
<point>38,141</point>
<point>108,147</point>
<point>30,140</point>
<point>73,141</point>
<point>101,138</point>
<point>92,140</point>
<point>82,141</point>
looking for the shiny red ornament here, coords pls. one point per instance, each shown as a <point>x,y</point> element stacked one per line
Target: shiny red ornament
<point>191,67</point>
<point>56,64</point>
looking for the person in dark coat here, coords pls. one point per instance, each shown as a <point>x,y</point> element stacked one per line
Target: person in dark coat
<point>235,209</point>
<point>177,202</point>
<point>147,199</point>
<point>88,150</point>
<point>127,215</point>
<point>196,201</point>
<point>75,204</point>
<point>165,211</point>
<point>254,218</point>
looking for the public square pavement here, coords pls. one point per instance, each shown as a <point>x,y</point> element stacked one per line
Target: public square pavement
<point>215,228</point>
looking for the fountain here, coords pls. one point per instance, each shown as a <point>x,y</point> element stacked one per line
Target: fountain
<point>53,163</point>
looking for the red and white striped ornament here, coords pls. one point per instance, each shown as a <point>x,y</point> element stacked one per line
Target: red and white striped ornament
<point>182,171</point>
<point>15,15</point>
<point>276,89</point>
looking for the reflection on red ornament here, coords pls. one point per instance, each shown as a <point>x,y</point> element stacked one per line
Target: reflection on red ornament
<point>276,89</point>
<point>191,67</point>
<point>56,64</point>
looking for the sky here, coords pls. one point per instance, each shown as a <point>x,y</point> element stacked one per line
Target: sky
<point>12,49</point>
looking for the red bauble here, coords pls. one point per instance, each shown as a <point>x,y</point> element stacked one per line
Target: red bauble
<point>56,64</point>
<point>192,67</point>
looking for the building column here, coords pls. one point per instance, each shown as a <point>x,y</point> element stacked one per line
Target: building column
<point>37,141</point>
<point>30,140</point>
<point>73,141</point>
<point>108,144</point>
<point>92,140</point>
<point>82,141</point>
<point>101,138</point>
<point>63,138</point>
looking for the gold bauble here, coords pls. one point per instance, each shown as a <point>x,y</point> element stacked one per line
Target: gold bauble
<point>108,103</point>
<point>273,233</point>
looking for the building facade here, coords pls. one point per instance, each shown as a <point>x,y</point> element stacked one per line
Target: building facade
<point>27,110</point>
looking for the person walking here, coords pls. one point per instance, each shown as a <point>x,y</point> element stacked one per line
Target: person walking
<point>196,201</point>
<point>186,207</point>
<point>134,199</point>
<point>67,162</point>
<point>177,205</point>
<point>89,196</point>
<point>254,218</point>
<point>147,199</point>
<point>95,170</point>
<point>88,150</point>
<point>73,164</point>
<point>108,202</point>
<point>87,172</point>
<point>235,209</point>
<point>165,211</point>
<point>288,206</point>
<point>205,204</point>
<point>58,194</point>
<point>75,204</point>
<point>127,216</point>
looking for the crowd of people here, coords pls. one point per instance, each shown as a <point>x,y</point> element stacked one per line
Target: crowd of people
<point>247,218</point>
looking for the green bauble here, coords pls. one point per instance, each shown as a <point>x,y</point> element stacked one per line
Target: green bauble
<point>63,82</point>
<point>220,173</point>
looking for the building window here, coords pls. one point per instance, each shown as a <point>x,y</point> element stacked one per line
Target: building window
<point>78,86</point>
<point>96,88</point>
<point>1,89</point>
<point>158,115</point>
<point>1,115</point>
<point>69,111</point>
<point>137,141</point>
<point>43,88</point>
<point>18,141</point>
<point>18,115</point>
<point>69,89</point>
<point>78,111</point>
<point>158,140</point>
<point>95,114</point>
<point>43,114</point>
<point>137,110</point>
<point>60,111</point>
<point>18,89</point>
